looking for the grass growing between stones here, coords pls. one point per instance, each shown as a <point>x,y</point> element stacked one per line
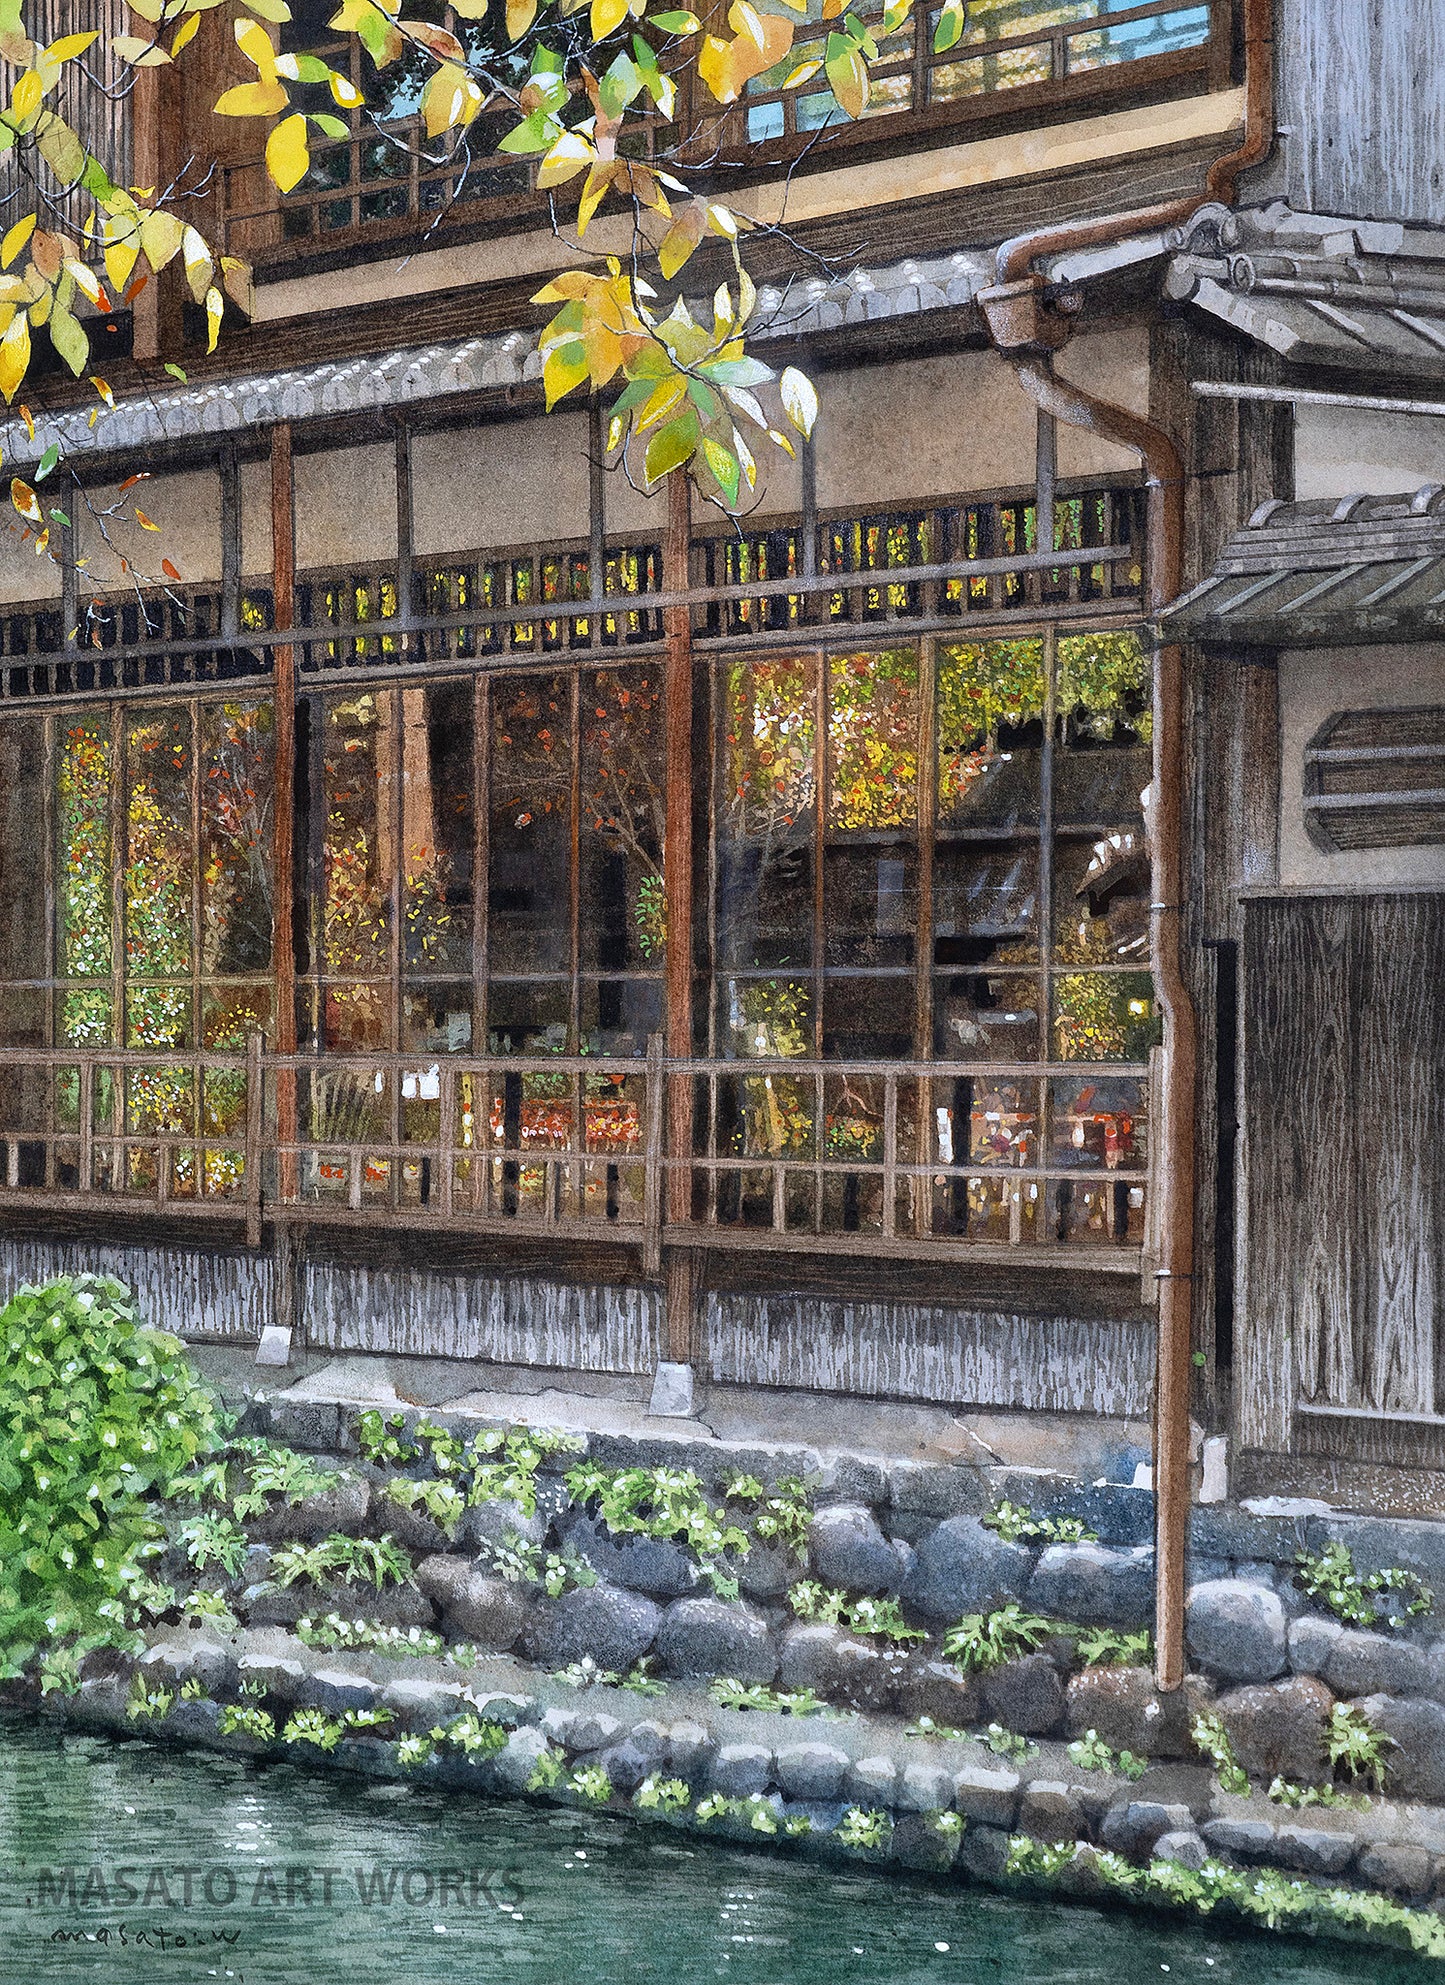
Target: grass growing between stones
<point>1262,1896</point>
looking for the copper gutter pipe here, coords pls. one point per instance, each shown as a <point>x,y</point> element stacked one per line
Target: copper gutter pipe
<point>1026,330</point>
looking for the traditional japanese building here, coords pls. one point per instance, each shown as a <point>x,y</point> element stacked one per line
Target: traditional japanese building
<point>967,932</point>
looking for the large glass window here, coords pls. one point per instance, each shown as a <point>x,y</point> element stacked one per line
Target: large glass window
<point>935,853</point>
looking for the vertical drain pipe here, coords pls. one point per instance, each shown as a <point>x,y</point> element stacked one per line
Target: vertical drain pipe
<point>1026,331</point>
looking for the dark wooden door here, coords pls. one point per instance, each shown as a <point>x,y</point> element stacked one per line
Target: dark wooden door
<point>1343,1176</point>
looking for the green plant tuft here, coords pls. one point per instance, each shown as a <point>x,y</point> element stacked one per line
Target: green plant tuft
<point>378,1561</point>
<point>1360,1599</point>
<point>982,1641</point>
<point>1212,1739</point>
<point>880,1617</point>
<point>1018,1525</point>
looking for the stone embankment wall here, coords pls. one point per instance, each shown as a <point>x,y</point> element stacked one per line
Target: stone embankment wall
<point>892,1749</point>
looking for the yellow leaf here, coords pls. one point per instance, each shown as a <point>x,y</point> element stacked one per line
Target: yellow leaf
<point>520,16</point>
<point>14,355</point>
<point>69,46</point>
<point>288,157</point>
<point>564,367</point>
<point>184,33</point>
<point>120,259</point>
<point>27,95</point>
<point>87,283</point>
<point>848,74</point>
<point>570,155</point>
<point>255,44</point>
<point>24,499</point>
<point>140,54</point>
<point>160,237</point>
<point>800,399</point>
<point>450,97</point>
<point>215,310</point>
<point>16,239</point>
<point>253,100</point>
<point>607,15</point>
<point>146,523</point>
<point>104,390</point>
<point>470,10</point>
<point>345,91</point>
<point>801,74</point>
<point>197,256</point>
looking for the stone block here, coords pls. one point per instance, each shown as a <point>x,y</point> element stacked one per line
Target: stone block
<point>491,1611</point>
<point>1312,1850</point>
<point>963,1568</point>
<point>871,1782</point>
<point>989,1797</point>
<point>418,1705</point>
<point>1311,1638</point>
<point>1128,1712</point>
<point>847,1549</point>
<point>335,1690</point>
<point>917,1843</point>
<point>924,1788</point>
<point>602,1623</point>
<point>1398,1868</point>
<point>1048,1811</point>
<point>1237,1631</point>
<point>689,1748</point>
<point>740,1770</point>
<point>343,1509</point>
<point>1025,1695</point>
<point>716,1637</point>
<point>1242,1840</point>
<point>983,1852</point>
<point>1183,1847</point>
<point>658,1566</point>
<point>1360,1663</point>
<point>1096,1584</point>
<point>499,1523</point>
<point>277,1675</point>
<point>1417,1727</point>
<point>513,1766</point>
<point>1132,1826</point>
<point>811,1771</point>
<point>1279,1728</point>
<point>936,1689</point>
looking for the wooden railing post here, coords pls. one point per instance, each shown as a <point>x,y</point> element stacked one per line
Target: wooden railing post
<point>255,1103</point>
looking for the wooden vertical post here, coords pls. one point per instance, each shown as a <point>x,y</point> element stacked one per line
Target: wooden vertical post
<point>283,958</point>
<point>230,473</point>
<point>679,1285</point>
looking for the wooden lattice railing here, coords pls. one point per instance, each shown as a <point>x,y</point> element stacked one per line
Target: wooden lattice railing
<point>931,1159</point>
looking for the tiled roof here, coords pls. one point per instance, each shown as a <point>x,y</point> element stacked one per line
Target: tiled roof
<point>901,289</point>
<point>1323,573</point>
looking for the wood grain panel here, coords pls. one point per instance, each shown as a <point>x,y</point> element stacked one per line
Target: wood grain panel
<point>1343,1156</point>
<point>200,1296</point>
<point>909,1351</point>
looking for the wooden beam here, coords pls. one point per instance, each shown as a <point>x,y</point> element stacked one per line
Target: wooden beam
<point>679,1277</point>
<point>283,955</point>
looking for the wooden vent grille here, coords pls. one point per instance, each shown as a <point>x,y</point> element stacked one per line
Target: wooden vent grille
<point>1376,779</point>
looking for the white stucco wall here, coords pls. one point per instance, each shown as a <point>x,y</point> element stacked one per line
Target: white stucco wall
<point>1313,685</point>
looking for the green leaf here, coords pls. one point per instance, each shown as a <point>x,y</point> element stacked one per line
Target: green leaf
<point>677,22</point>
<point>61,518</point>
<point>536,133</point>
<point>176,373</point>
<point>725,466</point>
<point>47,462</point>
<point>69,339</point>
<point>334,127</point>
<point>949,26</point>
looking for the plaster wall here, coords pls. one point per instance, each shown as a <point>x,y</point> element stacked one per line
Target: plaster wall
<point>1342,451</point>
<point>1313,684</point>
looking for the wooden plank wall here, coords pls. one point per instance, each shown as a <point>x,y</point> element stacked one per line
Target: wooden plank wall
<point>1344,1157</point>
<point>911,1351</point>
<point>210,1297</point>
<point>1359,88</point>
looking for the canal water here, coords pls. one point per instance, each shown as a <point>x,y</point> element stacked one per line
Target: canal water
<point>125,1864</point>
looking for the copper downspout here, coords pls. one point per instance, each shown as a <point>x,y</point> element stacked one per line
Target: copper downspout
<point>1026,330</point>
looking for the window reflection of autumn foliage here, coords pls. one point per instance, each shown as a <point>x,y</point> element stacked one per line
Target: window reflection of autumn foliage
<point>873,739</point>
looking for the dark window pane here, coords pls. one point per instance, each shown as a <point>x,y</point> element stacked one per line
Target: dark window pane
<point>22,874</point>
<point>870,904</point>
<point>622,926</point>
<point>530,918</point>
<point>985,904</point>
<point>437,830</point>
<point>990,732</point>
<point>236,837</point>
<point>983,1016</point>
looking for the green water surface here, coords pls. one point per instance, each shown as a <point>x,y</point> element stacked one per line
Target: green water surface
<point>459,1892</point>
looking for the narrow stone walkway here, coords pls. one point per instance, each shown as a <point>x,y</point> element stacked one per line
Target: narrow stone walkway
<point>1095,1450</point>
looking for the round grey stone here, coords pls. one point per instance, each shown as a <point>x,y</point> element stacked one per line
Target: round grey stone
<point>335,1690</point>
<point>740,1770</point>
<point>659,1566</point>
<point>1025,1695</point>
<point>716,1637</point>
<point>499,1522</point>
<point>343,1509</point>
<point>963,1568</point>
<point>847,1549</point>
<point>1236,1630</point>
<point>1095,1584</point>
<point>872,1782</point>
<point>1360,1663</point>
<point>512,1767</point>
<point>602,1623</point>
<point>1128,1712</point>
<point>490,1611</point>
<point>1182,1846</point>
<point>1417,1764</point>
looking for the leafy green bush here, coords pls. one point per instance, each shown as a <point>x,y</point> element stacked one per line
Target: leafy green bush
<point>661,1502</point>
<point>1091,1753</point>
<point>1110,1647</point>
<point>378,1560</point>
<point>278,1471</point>
<point>1212,1739</point>
<point>1354,1745</point>
<point>213,1540</point>
<point>97,1414</point>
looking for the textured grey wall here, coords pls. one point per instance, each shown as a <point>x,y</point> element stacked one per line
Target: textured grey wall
<point>1362,88</point>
